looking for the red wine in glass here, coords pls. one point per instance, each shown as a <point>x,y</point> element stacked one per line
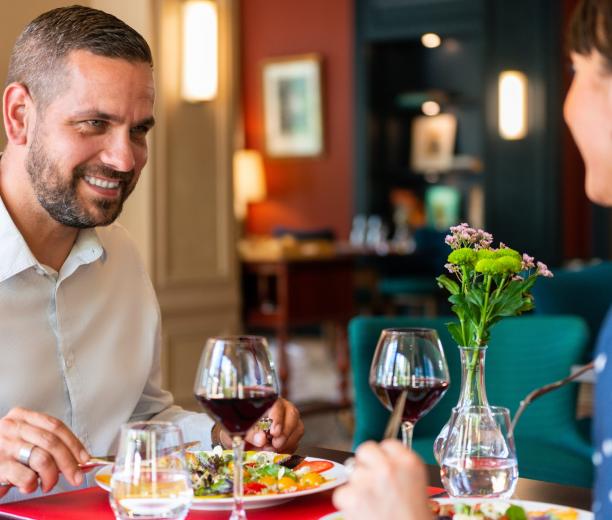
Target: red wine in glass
<point>421,396</point>
<point>236,383</point>
<point>238,414</point>
<point>409,361</point>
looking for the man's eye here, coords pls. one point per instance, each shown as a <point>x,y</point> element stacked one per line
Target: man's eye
<point>139,131</point>
<point>96,124</point>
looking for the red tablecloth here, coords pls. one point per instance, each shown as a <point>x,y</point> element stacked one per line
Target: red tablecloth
<point>92,503</point>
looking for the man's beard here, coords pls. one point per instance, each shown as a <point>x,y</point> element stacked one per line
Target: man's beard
<point>59,197</point>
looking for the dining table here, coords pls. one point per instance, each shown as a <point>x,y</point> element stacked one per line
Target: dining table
<point>92,503</point>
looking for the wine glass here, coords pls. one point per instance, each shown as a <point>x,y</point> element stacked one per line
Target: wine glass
<point>236,383</point>
<point>409,361</point>
<point>150,478</point>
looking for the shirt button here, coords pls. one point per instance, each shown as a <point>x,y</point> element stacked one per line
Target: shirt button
<point>69,361</point>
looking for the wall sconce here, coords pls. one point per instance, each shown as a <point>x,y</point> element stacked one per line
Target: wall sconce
<point>431,40</point>
<point>512,105</point>
<point>430,108</point>
<point>200,50</point>
<point>249,180</point>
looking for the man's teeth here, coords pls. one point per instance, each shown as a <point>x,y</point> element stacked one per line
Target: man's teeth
<point>101,183</point>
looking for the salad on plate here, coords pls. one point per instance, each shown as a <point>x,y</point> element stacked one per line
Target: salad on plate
<point>265,473</point>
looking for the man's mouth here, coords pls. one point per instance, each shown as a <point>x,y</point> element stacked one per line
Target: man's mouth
<point>101,183</point>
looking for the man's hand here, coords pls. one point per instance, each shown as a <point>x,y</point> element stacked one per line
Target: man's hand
<point>388,482</point>
<point>285,433</point>
<point>54,450</point>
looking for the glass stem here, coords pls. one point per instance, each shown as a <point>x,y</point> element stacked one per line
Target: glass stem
<point>407,429</point>
<point>238,447</point>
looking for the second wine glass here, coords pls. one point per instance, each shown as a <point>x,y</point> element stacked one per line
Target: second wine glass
<point>410,361</point>
<point>236,383</point>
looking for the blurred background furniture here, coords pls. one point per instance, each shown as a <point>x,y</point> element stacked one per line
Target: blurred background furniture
<point>290,292</point>
<point>417,291</point>
<point>524,353</point>
<point>585,292</point>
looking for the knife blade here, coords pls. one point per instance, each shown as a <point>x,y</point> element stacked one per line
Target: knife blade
<point>110,459</point>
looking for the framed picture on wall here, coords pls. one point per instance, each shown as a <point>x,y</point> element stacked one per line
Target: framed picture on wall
<point>433,143</point>
<point>292,106</point>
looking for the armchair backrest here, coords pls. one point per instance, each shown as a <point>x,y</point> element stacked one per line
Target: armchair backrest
<point>524,353</point>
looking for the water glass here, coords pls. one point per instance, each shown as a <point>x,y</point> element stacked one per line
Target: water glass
<point>479,459</point>
<point>150,479</point>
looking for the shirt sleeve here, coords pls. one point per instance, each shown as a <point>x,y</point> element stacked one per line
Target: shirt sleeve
<point>158,404</point>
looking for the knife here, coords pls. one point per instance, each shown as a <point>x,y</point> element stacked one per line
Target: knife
<point>110,459</point>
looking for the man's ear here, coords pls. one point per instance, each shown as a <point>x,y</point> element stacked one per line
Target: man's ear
<point>16,103</point>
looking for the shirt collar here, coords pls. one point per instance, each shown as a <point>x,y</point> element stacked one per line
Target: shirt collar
<point>16,255</point>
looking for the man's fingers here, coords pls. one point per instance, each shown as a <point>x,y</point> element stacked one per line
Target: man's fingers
<point>277,414</point>
<point>53,426</point>
<point>49,454</point>
<point>42,463</point>
<point>19,476</point>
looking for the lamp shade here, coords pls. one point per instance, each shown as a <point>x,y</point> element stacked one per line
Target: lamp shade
<point>200,50</point>
<point>249,180</point>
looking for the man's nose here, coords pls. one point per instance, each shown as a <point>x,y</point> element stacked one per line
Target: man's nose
<point>118,152</point>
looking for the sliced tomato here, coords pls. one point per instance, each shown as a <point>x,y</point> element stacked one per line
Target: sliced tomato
<point>252,488</point>
<point>316,466</point>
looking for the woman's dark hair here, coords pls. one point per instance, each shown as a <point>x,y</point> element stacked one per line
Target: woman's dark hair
<point>591,29</point>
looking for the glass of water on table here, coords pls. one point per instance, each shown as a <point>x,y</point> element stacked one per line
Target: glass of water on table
<point>150,479</point>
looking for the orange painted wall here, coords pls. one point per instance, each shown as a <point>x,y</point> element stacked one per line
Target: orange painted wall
<point>304,193</point>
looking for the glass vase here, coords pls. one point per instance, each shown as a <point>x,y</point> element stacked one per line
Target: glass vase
<point>472,393</point>
<point>479,459</point>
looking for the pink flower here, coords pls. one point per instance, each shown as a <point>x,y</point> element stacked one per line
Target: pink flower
<point>528,262</point>
<point>543,270</point>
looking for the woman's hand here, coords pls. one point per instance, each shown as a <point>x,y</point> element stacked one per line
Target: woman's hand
<point>388,482</point>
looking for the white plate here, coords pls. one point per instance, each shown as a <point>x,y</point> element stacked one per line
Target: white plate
<point>525,504</point>
<point>336,475</point>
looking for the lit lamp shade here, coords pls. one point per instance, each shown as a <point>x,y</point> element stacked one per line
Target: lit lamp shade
<point>200,50</point>
<point>249,180</point>
<point>512,105</point>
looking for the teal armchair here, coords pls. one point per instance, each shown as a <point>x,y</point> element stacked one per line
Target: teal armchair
<point>524,353</point>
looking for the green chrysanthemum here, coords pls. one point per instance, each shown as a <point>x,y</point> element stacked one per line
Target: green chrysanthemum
<point>485,266</point>
<point>507,252</point>
<point>507,264</point>
<point>462,256</point>
<point>485,254</point>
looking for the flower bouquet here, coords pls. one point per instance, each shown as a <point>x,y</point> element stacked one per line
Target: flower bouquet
<point>485,284</point>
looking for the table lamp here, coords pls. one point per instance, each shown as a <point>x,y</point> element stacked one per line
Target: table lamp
<point>249,181</point>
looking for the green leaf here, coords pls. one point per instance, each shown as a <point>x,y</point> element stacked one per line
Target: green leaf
<point>450,285</point>
<point>455,332</point>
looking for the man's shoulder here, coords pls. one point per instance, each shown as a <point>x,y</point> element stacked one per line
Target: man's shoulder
<point>118,244</point>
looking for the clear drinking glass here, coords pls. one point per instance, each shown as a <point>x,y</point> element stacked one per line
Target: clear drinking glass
<point>150,479</point>
<point>479,459</point>
<point>410,361</point>
<point>236,383</point>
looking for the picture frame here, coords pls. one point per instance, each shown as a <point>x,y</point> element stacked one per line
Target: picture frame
<point>292,106</point>
<point>433,143</point>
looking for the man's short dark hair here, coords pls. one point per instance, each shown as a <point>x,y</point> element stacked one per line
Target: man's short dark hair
<point>42,48</point>
<point>591,29</point>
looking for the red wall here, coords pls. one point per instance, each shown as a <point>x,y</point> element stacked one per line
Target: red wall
<point>304,193</point>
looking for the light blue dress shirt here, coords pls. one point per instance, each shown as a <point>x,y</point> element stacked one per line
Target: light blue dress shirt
<point>83,344</point>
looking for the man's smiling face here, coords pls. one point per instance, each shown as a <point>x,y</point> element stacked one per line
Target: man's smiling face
<point>88,145</point>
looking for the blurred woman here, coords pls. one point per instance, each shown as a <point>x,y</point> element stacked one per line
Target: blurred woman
<point>389,482</point>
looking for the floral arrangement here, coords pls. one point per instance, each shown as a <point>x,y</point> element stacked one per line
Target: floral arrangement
<point>490,283</point>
